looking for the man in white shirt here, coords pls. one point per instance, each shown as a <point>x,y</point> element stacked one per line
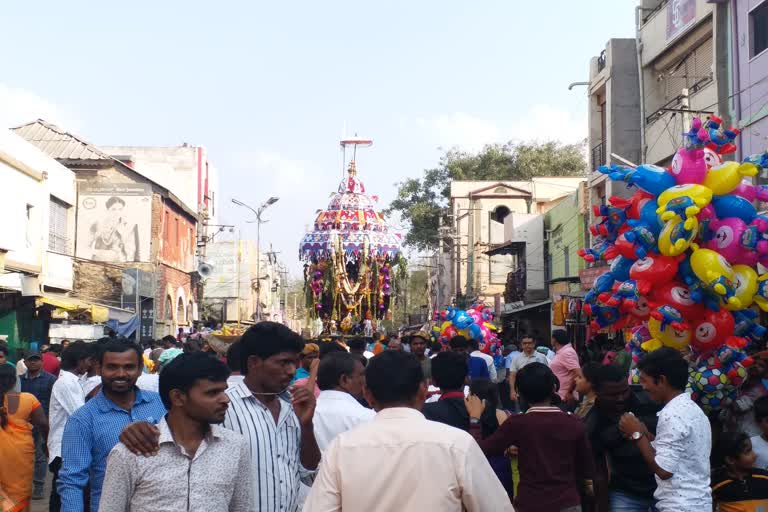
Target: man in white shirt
<point>233,362</point>
<point>485,357</point>
<point>199,466</point>
<point>340,377</point>
<point>376,466</point>
<point>66,397</point>
<point>679,453</point>
<point>527,356</point>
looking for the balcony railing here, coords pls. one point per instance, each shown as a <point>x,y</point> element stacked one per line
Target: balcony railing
<point>598,156</point>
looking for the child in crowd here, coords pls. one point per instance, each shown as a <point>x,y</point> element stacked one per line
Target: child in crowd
<point>554,455</point>
<point>760,442</point>
<point>585,382</point>
<point>737,486</point>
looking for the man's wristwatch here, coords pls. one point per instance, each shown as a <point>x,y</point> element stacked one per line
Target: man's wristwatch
<point>474,421</point>
<point>636,436</point>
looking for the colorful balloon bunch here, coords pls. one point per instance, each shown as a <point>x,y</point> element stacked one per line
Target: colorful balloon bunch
<point>683,253</point>
<point>474,323</point>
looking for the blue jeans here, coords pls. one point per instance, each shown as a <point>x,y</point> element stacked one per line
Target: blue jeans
<point>623,502</point>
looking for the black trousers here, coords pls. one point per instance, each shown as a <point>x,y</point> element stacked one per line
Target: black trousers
<point>54,503</point>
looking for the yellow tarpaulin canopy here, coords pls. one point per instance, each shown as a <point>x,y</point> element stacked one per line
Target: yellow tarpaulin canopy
<point>99,314</point>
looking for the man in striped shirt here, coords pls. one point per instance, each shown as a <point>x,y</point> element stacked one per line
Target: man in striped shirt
<point>274,419</point>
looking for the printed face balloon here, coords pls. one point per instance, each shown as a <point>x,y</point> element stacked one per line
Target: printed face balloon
<point>641,309</point>
<point>745,281</point>
<point>711,332</point>
<point>726,237</point>
<point>677,295</point>
<point>711,159</point>
<point>667,329</point>
<point>689,166</point>
<point>654,269</point>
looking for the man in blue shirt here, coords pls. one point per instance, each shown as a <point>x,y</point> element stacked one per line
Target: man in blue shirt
<point>93,430</point>
<point>478,369</point>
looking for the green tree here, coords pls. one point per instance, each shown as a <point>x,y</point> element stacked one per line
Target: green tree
<point>423,203</point>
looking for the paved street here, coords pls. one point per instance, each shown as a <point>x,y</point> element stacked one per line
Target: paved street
<point>42,505</point>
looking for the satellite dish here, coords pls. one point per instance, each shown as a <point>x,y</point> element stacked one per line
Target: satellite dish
<point>205,269</point>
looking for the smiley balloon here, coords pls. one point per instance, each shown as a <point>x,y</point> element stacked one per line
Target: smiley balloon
<point>745,281</point>
<point>689,165</point>
<point>677,295</point>
<point>667,329</point>
<point>710,333</point>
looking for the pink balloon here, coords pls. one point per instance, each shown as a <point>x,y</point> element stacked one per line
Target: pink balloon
<point>689,166</point>
<point>726,238</point>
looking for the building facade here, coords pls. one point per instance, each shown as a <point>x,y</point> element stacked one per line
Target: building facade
<point>126,221</point>
<point>35,242</point>
<point>614,116</point>
<point>485,215</point>
<point>683,48</point>
<point>749,26</point>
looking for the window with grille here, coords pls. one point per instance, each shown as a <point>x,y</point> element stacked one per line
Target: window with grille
<point>692,72</point>
<point>695,68</point>
<point>758,21</point>
<point>57,227</point>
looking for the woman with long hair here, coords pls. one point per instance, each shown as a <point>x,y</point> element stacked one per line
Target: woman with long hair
<point>19,412</point>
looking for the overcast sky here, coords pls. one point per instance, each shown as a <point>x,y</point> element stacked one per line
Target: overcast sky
<point>269,87</point>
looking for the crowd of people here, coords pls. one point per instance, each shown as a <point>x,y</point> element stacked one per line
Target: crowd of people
<point>399,424</point>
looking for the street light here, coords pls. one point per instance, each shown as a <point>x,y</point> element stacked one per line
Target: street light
<point>272,200</point>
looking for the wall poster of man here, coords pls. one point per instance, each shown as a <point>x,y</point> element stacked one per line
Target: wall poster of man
<point>114,222</point>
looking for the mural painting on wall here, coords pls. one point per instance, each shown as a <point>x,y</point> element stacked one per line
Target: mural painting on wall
<point>114,222</point>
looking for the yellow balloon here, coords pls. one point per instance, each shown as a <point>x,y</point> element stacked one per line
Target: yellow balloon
<point>668,337</point>
<point>745,281</point>
<point>722,179</point>
<point>716,273</point>
<point>677,235</point>
<point>699,194</point>
<point>761,295</point>
<point>465,333</point>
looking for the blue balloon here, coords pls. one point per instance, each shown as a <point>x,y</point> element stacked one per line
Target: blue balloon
<point>734,206</point>
<point>649,216</point>
<point>650,178</point>
<point>462,320</point>
<point>476,332</point>
<point>620,268</point>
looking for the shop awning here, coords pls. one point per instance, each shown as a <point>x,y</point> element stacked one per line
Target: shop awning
<point>99,314</point>
<point>514,308</point>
